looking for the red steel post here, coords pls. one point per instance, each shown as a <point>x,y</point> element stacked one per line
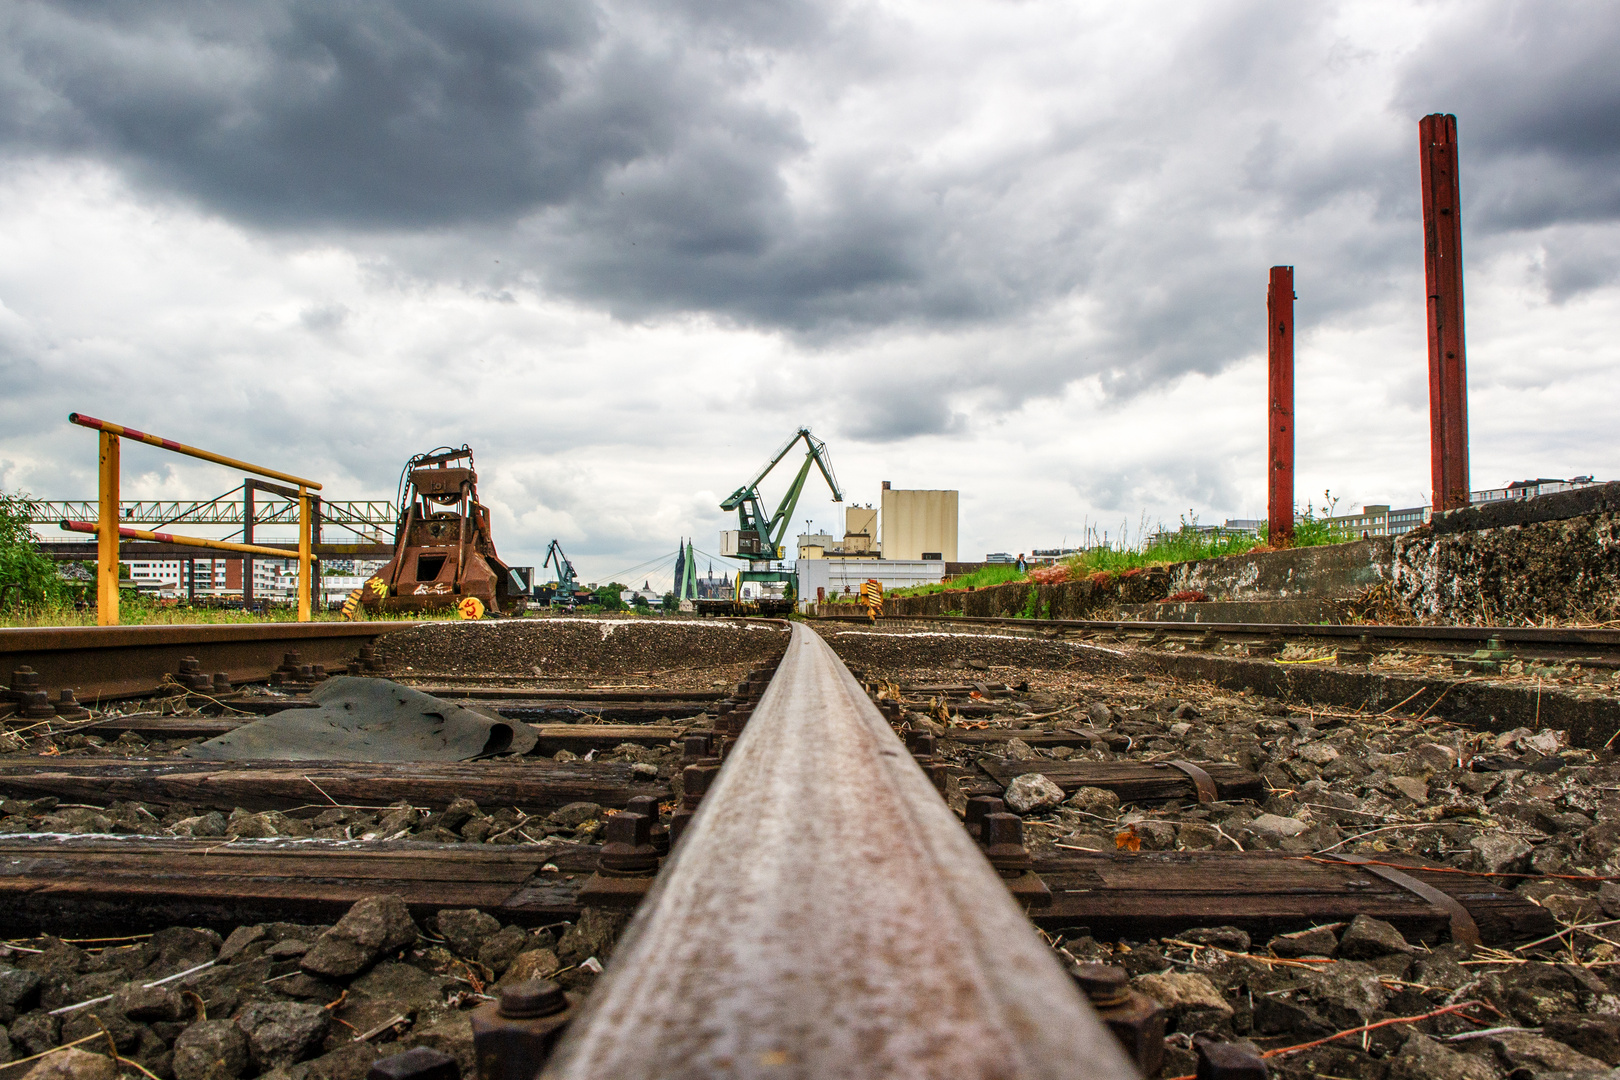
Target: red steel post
<point>1280,419</point>
<point>1443,271</point>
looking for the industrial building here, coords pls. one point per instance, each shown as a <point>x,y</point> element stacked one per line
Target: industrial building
<point>906,540</point>
<point>1380,520</point>
<point>861,531</point>
<point>820,579</point>
<point>907,525</point>
<point>1528,489</point>
<point>919,524</point>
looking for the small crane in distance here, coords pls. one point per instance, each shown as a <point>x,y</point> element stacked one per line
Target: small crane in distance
<point>567,583</point>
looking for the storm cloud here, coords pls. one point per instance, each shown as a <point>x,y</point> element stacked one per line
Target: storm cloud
<point>910,224</point>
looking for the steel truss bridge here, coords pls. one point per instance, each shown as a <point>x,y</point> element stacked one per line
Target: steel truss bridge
<point>373,519</point>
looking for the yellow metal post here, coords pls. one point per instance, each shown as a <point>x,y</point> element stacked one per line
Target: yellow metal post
<point>107,534</point>
<point>303,553</point>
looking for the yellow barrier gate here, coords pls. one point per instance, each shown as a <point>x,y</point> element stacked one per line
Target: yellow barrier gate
<point>108,531</point>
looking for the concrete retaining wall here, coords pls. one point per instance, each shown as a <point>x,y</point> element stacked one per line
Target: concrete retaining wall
<point>1564,570</point>
<point>1071,600</point>
<point>1334,571</point>
<point>1553,557</point>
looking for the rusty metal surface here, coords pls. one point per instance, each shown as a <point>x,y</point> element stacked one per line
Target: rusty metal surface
<point>1280,406</point>
<point>1205,785</point>
<point>1463,927</point>
<point>1602,637</point>
<point>826,915</point>
<point>1443,273</point>
<point>99,663</point>
<point>444,551</point>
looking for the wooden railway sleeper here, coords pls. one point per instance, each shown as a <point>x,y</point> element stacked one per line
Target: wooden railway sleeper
<point>636,843</point>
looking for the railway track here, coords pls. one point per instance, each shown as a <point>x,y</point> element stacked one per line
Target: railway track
<point>1484,676</point>
<point>1593,646</point>
<point>111,663</point>
<point>822,909</point>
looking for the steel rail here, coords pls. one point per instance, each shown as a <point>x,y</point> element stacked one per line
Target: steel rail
<point>1526,635</point>
<point>825,914</point>
<point>99,663</point>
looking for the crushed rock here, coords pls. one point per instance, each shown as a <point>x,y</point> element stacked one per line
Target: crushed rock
<point>265,1018</point>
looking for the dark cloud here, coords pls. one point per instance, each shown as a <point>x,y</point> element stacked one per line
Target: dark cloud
<point>307,114</point>
<point>637,157</point>
<point>650,177</point>
<point>27,378</point>
<point>1577,262</point>
<point>1536,90</point>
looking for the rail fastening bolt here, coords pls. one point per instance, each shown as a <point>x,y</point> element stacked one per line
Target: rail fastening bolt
<point>628,848</point>
<point>1103,984</point>
<point>647,807</point>
<point>980,807</point>
<point>1004,845</point>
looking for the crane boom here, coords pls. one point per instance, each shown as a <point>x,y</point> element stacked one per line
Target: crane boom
<point>566,581</point>
<point>760,535</point>
<point>817,452</point>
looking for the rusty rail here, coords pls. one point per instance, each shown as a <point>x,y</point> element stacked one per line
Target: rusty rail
<point>825,914</point>
<point>101,663</point>
<point>1598,637</point>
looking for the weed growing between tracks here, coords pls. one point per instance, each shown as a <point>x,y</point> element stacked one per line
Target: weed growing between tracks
<point>144,611</point>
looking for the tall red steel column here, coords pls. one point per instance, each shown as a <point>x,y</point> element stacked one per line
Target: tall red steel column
<point>1280,411</point>
<point>1443,271</point>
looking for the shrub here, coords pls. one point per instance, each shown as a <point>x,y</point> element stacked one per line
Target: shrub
<point>21,563</point>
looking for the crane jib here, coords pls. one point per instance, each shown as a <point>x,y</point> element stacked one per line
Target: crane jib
<point>760,535</point>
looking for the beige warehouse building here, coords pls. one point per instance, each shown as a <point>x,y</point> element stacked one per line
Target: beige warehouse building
<point>919,524</point>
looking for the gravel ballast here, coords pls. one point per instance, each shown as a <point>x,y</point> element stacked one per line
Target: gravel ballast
<point>1457,792</point>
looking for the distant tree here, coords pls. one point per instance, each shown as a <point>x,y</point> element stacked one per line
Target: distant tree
<point>608,596</point>
<point>21,563</point>
<point>669,602</point>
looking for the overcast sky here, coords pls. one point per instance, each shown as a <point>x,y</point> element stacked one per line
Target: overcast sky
<point>625,248</point>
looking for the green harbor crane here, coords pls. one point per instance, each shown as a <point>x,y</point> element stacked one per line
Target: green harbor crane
<point>567,583</point>
<point>758,536</point>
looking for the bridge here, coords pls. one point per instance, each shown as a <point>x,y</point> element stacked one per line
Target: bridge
<point>370,521</point>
